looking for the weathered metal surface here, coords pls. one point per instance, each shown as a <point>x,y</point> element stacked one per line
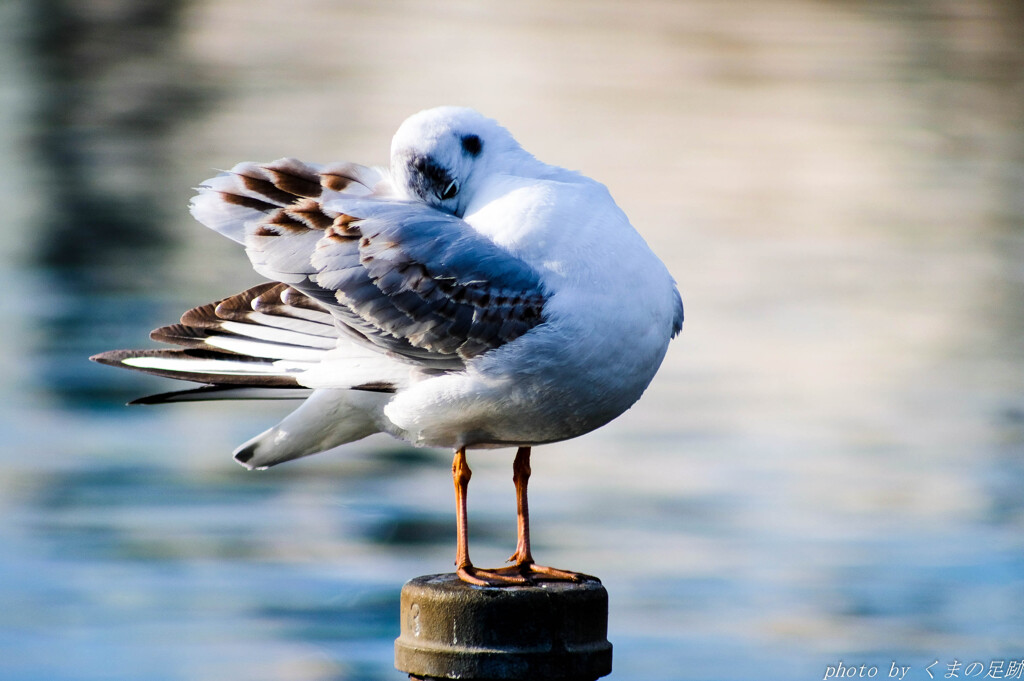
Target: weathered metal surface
<point>555,631</point>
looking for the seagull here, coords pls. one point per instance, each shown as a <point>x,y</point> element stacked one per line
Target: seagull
<point>469,296</point>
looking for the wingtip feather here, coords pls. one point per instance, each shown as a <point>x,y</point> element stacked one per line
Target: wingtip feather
<point>112,358</point>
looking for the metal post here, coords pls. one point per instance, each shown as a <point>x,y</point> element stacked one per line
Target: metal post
<point>554,631</point>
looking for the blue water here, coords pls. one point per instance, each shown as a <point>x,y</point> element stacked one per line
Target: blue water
<point>828,468</point>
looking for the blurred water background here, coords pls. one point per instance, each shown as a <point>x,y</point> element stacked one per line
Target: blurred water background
<point>830,465</point>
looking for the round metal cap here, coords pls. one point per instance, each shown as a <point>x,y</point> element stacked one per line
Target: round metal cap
<point>555,631</point>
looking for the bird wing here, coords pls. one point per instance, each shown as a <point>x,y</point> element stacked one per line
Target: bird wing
<point>266,337</point>
<point>402,277</point>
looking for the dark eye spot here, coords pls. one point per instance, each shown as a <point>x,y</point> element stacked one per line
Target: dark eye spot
<point>472,145</point>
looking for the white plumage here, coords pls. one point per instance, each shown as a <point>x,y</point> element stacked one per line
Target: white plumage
<point>469,296</point>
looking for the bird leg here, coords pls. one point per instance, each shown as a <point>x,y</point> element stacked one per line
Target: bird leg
<point>522,559</point>
<point>523,570</point>
<point>520,478</point>
<point>463,566</point>
<point>461,475</point>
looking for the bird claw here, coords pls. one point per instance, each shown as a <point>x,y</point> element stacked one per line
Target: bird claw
<point>521,574</point>
<point>491,577</point>
<point>543,573</point>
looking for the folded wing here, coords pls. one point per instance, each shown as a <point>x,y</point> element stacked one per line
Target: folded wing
<point>402,277</point>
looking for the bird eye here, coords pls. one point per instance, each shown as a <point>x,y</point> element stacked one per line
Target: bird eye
<point>472,144</point>
<point>450,191</point>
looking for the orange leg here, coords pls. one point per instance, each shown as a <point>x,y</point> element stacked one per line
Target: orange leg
<point>520,478</point>
<point>461,475</point>
<point>522,559</point>
<point>463,566</point>
<point>523,570</point>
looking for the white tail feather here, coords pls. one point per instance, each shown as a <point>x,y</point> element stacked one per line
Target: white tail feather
<point>328,418</point>
<point>276,334</point>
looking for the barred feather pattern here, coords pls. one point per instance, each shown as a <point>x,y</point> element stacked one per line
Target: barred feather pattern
<point>371,273</point>
<point>257,338</point>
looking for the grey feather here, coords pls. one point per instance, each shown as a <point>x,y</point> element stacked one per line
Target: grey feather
<point>402,277</point>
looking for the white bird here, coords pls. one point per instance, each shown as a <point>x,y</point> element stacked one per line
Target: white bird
<point>468,297</point>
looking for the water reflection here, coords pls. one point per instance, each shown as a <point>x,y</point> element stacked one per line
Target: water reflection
<point>112,86</point>
<point>829,466</point>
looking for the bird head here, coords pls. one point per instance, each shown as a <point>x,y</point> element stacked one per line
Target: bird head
<point>439,155</point>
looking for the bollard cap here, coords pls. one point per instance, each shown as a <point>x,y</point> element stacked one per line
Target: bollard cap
<point>556,631</point>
